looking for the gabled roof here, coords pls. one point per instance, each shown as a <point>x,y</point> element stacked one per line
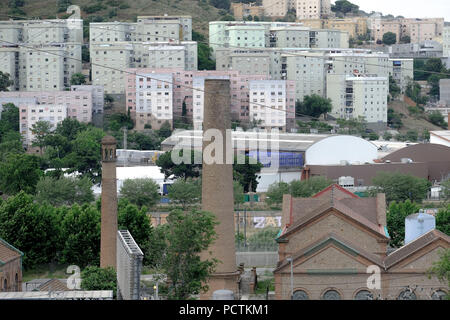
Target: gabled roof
<point>336,191</point>
<point>337,241</point>
<point>414,246</point>
<point>327,207</point>
<point>8,252</point>
<point>53,285</point>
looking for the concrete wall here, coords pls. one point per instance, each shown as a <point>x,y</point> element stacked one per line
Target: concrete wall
<point>257,259</point>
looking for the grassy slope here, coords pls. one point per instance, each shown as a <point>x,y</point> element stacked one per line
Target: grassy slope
<point>201,13</point>
<point>411,122</point>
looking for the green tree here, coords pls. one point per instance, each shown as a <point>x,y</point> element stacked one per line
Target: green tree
<point>344,7</point>
<point>187,235</point>
<point>443,220</point>
<point>80,231</point>
<point>64,191</point>
<point>5,81</point>
<point>389,38</point>
<point>185,193</point>
<point>446,189</point>
<point>437,119</point>
<point>144,141</point>
<point>313,105</point>
<point>441,269</point>
<point>136,221</point>
<point>395,219</point>
<point>165,131</point>
<point>220,4</point>
<point>141,192</point>
<point>238,192</point>
<point>405,39</point>
<point>41,130</point>
<point>9,119</point>
<point>19,172</point>
<point>96,278</point>
<point>394,89</point>
<point>387,136</point>
<point>308,188</point>
<point>31,228</point>
<point>412,135</point>
<point>274,195</point>
<point>394,119</point>
<point>77,79</point>
<point>246,172</point>
<point>182,170</point>
<point>400,187</point>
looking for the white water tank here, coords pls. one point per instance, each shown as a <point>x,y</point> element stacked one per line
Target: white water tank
<point>417,225</point>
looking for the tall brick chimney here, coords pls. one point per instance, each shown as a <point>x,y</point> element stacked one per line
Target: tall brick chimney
<point>109,204</point>
<point>217,190</point>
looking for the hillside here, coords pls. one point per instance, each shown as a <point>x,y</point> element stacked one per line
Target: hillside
<point>115,10</point>
<point>410,120</point>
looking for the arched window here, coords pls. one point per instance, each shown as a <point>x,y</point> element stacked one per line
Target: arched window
<point>300,295</point>
<point>331,295</point>
<point>407,295</point>
<point>439,295</point>
<point>5,285</point>
<point>364,295</point>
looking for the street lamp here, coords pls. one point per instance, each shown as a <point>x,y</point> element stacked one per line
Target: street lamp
<point>290,260</point>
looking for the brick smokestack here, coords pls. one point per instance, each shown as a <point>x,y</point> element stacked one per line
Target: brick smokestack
<point>217,189</point>
<point>109,204</point>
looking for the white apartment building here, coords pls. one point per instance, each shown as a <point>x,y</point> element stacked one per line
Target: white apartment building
<point>98,96</point>
<point>275,8</point>
<point>271,102</point>
<point>312,9</point>
<point>41,55</point>
<point>354,61</point>
<point>355,96</point>
<point>402,71</point>
<point>109,60</point>
<point>154,100</point>
<point>291,37</point>
<point>198,98</point>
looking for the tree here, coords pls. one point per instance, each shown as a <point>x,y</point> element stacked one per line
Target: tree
<point>441,268</point>
<point>19,172</point>
<point>308,188</point>
<point>405,39</point>
<point>344,7</point>
<point>5,82</point>
<point>412,135</point>
<point>85,156</point>
<point>274,195</point>
<point>394,89</point>
<point>77,79</point>
<point>80,231</point>
<point>246,173</point>
<point>64,191</point>
<point>387,136</point>
<point>41,130</point>
<point>400,187</point>
<point>136,221</point>
<point>9,119</point>
<point>11,142</point>
<point>141,192</point>
<point>394,119</point>
<point>313,105</point>
<point>446,189</point>
<point>165,131</point>
<point>187,235</point>
<point>182,170</point>
<point>96,278</point>
<point>238,192</point>
<point>389,38</point>
<point>395,219</point>
<point>220,4</point>
<point>443,220</point>
<point>185,192</point>
<point>31,228</point>
<point>144,141</point>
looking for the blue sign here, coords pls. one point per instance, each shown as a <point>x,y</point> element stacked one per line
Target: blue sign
<point>285,159</point>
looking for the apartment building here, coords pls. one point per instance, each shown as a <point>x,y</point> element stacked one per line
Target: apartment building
<point>272,103</point>
<point>241,10</point>
<point>354,26</point>
<point>355,61</point>
<point>147,28</point>
<point>98,96</point>
<point>109,60</point>
<point>446,41</point>
<point>275,8</point>
<point>249,35</point>
<point>417,29</point>
<point>307,70</point>
<point>313,9</point>
<point>41,55</point>
<point>359,96</point>
<point>51,106</point>
<point>424,49</point>
<point>402,71</point>
<point>187,87</point>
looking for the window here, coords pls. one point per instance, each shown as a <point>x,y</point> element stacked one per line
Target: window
<point>407,295</point>
<point>364,295</point>
<point>300,295</point>
<point>331,295</point>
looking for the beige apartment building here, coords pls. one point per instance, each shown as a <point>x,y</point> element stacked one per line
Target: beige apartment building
<point>356,26</point>
<point>446,41</point>
<point>313,9</point>
<point>417,29</point>
<point>242,10</point>
<point>275,8</point>
<point>41,55</point>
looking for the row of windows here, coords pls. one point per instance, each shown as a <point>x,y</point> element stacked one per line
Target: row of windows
<point>364,294</point>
